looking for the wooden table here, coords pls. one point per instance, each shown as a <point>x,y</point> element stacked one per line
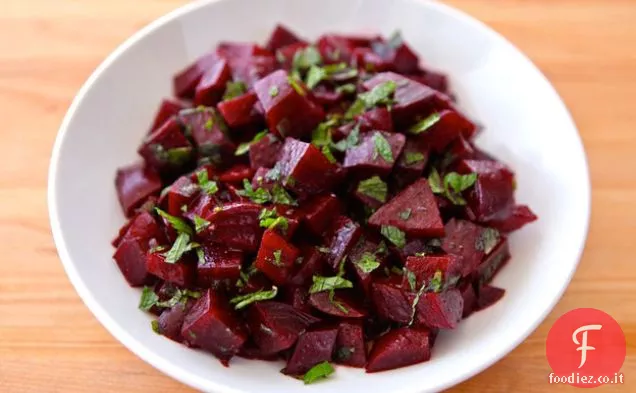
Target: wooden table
<point>50,342</point>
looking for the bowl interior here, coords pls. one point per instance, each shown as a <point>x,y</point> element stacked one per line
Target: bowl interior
<point>526,125</point>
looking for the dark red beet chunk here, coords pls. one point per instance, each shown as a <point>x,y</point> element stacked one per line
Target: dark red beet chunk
<point>350,346</point>
<point>342,305</point>
<point>378,119</point>
<point>240,111</point>
<point>187,80</point>
<point>390,301</point>
<point>264,153</point>
<point>366,249</point>
<point>319,212</point>
<point>281,36</point>
<point>341,238</point>
<point>313,347</point>
<point>218,263</point>
<point>181,193</point>
<point>397,53</point>
<point>288,113</point>
<point>131,259</point>
<point>423,218</point>
<point>134,185</point>
<point>469,242</point>
<point>493,262</point>
<point>489,295</point>
<point>171,320</point>
<point>235,225</point>
<point>167,109</point>
<point>366,59</point>
<point>518,218</point>
<point>299,163</point>
<point>167,148</point>
<point>366,159</point>
<point>450,126</point>
<point>411,163</point>
<point>213,326</point>
<point>237,174</point>
<point>276,257</point>
<point>182,273</point>
<point>492,197</point>
<point>275,326</point>
<point>440,310</point>
<point>425,267</point>
<point>209,133</point>
<point>313,262</point>
<point>399,348</point>
<point>470,298</point>
<point>211,87</point>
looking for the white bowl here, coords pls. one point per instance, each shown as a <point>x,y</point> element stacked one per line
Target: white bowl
<point>527,126</point>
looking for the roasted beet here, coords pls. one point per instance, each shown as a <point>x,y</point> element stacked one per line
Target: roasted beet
<point>276,257</point>
<point>218,263</point>
<point>240,111</point>
<point>187,80</point>
<point>167,109</point>
<point>171,320</point>
<point>469,242</point>
<point>182,273</point>
<point>237,174</point>
<point>299,163</point>
<point>390,301</point>
<point>440,310</point>
<point>366,258</point>
<point>399,348</point>
<point>319,212</point>
<point>134,185</point>
<point>313,347</point>
<point>281,36</point>
<point>449,126</point>
<point>341,238</point>
<point>181,193</point>
<point>312,263</point>
<point>376,154</point>
<point>235,225</point>
<point>342,305</point>
<point>493,262</point>
<point>378,119</point>
<point>213,326</point>
<point>411,163</point>
<point>131,259</point>
<point>492,196</point>
<point>212,84</point>
<point>209,133</point>
<point>488,295</point>
<point>425,267</point>
<point>264,152</point>
<point>470,298</point>
<point>350,348</point>
<point>167,149</point>
<point>520,216</point>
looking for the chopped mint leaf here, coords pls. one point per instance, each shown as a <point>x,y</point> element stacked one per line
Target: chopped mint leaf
<point>459,183</point>
<point>200,223</point>
<point>382,147</point>
<point>381,94</point>
<point>415,302</point>
<point>148,299</point>
<point>367,262</point>
<point>321,136</point>
<point>315,75</point>
<point>278,254</point>
<point>321,284</point>
<point>405,214</point>
<point>425,125</point>
<point>208,186</point>
<point>318,372</point>
<point>397,270</point>
<point>209,124</point>
<point>375,188</point>
<point>179,296</point>
<point>269,219</point>
<point>234,89</point>
<point>273,91</point>
<point>435,181</point>
<point>350,141</point>
<point>243,148</point>
<point>326,151</point>
<point>436,282</point>
<point>348,88</point>
<point>154,325</point>
<point>245,300</point>
<point>260,195</point>
<point>177,223</point>
<point>394,235</point>
<point>305,58</point>
<point>411,158</point>
<point>280,195</point>
<point>157,249</point>
<point>293,82</point>
<point>410,277</point>
<point>180,247</point>
<point>357,108</point>
<point>487,240</point>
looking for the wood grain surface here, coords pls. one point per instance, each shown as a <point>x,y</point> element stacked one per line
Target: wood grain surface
<point>50,342</point>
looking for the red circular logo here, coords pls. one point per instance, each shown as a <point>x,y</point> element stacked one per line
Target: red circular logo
<point>586,348</point>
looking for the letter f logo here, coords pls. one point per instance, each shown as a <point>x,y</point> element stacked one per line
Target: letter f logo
<point>583,344</point>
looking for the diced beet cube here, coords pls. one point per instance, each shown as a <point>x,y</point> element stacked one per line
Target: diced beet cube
<point>171,320</point>
<point>366,249</point>
<point>287,112</point>
<point>167,148</point>
<point>489,295</point>
<point>411,98</point>
<point>286,54</point>
<point>312,264</point>
<point>461,148</point>
<point>181,192</point>
<point>293,218</point>
<point>213,326</point>
<point>263,179</point>
<point>390,301</point>
<point>399,348</point>
<point>518,218</point>
<point>341,238</point>
<point>240,111</point>
<point>144,226</point>
<point>425,267</point>
<point>469,242</point>
<point>401,57</point>
<point>319,212</point>
<point>493,262</point>
<point>219,263</point>
<point>314,346</point>
<point>470,298</point>
<point>492,196</point>
<point>350,347</point>
<point>377,119</point>
<point>281,36</point>
<point>370,202</point>
<point>209,133</point>
<point>335,49</point>
<point>211,87</point>
<point>298,297</point>
<point>299,163</point>
<point>252,69</point>
<point>413,211</point>
<point>275,326</point>
<point>131,260</point>
<point>256,282</point>
<point>236,174</point>
<point>276,257</point>
<point>326,97</point>
<point>411,163</point>
<point>264,153</point>
<point>135,183</point>
<point>182,273</point>
<point>367,159</point>
<point>187,80</point>
<point>440,310</point>
<point>366,59</point>
<point>167,109</point>
<point>237,50</point>
<point>432,79</point>
<point>342,305</point>
<point>235,225</point>
<point>120,234</point>
<point>450,126</point>
<point>412,247</point>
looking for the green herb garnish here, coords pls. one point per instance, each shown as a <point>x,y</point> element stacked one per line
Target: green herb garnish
<point>326,151</point>
<point>148,299</point>
<point>181,245</point>
<point>180,225</point>
<point>260,195</point>
<point>355,109</point>
<point>435,182</point>
<point>425,125</point>
<point>318,372</point>
<point>293,82</point>
<point>412,280</point>
<point>243,148</point>
<point>208,186</point>
<point>380,94</point>
<point>382,148</point>
<point>322,284</point>
<point>487,240</point>
<point>280,195</point>
<point>245,300</point>
<point>348,88</point>
<point>200,223</point>
<point>234,89</point>
<point>154,325</point>
<point>367,262</point>
<point>273,91</point>
<point>394,235</point>
<point>411,158</point>
<point>405,214</point>
<point>305,58</point>
<point>375,188</point>
<point>436,282</point>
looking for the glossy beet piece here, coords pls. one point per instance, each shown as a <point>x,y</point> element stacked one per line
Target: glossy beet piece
<point>131,260</point>
<point>422,221</point>
<point>181,192</point>
<point>213,326</point>
<point>298,297</point>
<point>450,126</point>
<point>425,267</point>
<point>365,249</point>
<point>276,257</point>
<point>390,300</point>
<point>171,320</point>
<point>281,36</point>
<point>460,149</point>
<point>219,263</point>
<point>287,112</point>
<point>341,238</point>
<point>285,55</point>
<point>326,97</point>
<point>182,273</point>
<point>312,264</point>
<point>440,310</point>
<point>167,149</point>
<point>335,48</point>
<point>342,306</point>
<point>313,347</point>
<point>235,225</point>
<point>134,184</point>
<point>251,70</point>
<point>365,159</point>
<point>276,326</point>
<point>520,216</point>
<point>488,295</point>
<point>167,109</point>
<point>398,54</point>
<point>399,348</point>
<point>492,196</point>
<point>264,153</point>
<point>469,242</point>
<point>209,133</point>
<point>299,163</point>
<point>411,98</point>
<point>470,298</point>
<point>211,87</point>
<point>377,119</point>
<point>411,163</point>
<point>236,174</point>
<point>186,81</point>
<point>350,347</point>
<point>318,212</point>
<point>432,79</point>
<point>240,111</point>
<point>366,59</point>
